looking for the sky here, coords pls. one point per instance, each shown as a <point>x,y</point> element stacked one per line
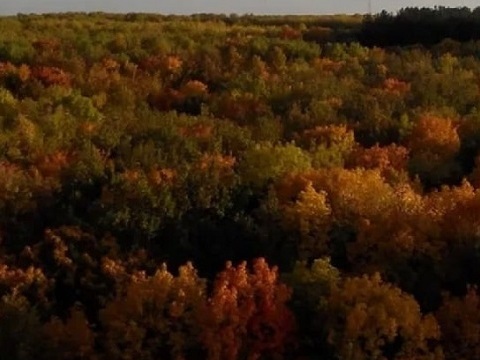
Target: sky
<point>9,7</point>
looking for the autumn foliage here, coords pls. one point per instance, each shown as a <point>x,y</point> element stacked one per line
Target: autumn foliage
<point>459,322</point>
<point>246,316</point>
<point>174,316</point>
<point>371,319</point>
<point>339,183</point>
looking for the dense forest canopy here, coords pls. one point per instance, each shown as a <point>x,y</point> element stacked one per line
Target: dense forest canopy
<point>426,26</point>
<point>240,187</point>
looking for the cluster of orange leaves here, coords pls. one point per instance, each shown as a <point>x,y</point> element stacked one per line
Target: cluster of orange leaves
<point>167,98</point>
<point>434,137</point>
<point>197,131</point>
<point>51,165</point>
<point>223,163</point>
<point>50,76</point>
<point>194,88</point>
<point>389,159</point>
<point>157,176</point>
<point>241,107</point>
<point>24,280</point>
<point>87,128</point>
<point>395,86</point>
<point>289,33</point>
<point>245,316</point>
<point>23,72</point>
<point>133,179</point>
<point>156,63</point>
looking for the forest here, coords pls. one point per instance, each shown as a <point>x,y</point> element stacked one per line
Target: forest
<point>228,187</point>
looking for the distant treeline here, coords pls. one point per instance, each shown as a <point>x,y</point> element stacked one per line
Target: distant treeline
<point>425,26</point>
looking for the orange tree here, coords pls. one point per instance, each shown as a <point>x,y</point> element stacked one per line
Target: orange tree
<point>246,316</point>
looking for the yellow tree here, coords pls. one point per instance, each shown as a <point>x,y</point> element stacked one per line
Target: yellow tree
<point>316,202</point>
<point>155,316</point>
<point>371,319</point>
<point>433,144</point>
<point>310,216</point>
